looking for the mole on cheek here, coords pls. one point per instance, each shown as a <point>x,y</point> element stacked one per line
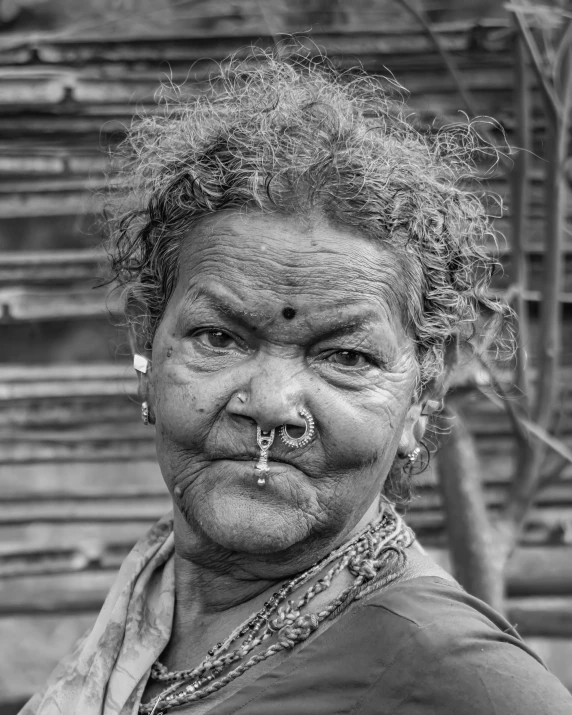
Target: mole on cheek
<point>288,313</point>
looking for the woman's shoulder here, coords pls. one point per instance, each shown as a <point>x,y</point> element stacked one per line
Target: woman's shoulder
<point>419,647</point>
<point>428,599</point>
<point>450,651</point>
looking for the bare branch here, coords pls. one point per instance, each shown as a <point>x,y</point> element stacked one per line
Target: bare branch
<point>478,562</point>
<point>527,478</point>
<point>447,60</point>
<point>552,101</point>
<point>556,472</point>
<point>525,427</point>
<point>555,444</point>
<point>506,404</point>
<point>550,336</point>
<point>531,454</point>
<point>561,51</point>
<point>519,190</point>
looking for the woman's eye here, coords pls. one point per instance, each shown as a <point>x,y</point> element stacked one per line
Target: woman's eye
<point>348,358</point>
<point>217,339</point>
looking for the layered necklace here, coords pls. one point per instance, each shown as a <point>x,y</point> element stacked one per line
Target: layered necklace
<point>375,558</point>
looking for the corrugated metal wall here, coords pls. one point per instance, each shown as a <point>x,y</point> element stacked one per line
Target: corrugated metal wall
<point>78,477</point>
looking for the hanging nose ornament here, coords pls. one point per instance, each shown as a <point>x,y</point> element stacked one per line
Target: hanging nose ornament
<point>264,440</point>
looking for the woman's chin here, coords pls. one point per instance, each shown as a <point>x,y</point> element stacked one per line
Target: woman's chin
<point>231,510</point>
<point>260,539</point>
<point>245,524</point>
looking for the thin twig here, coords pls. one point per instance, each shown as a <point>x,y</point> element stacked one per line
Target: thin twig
<point>475,552</point>
<point>550,334</point>
<point>465,95</point>
<point>556,472</point>
<point>526,479</point>
<point>266,19</point>
<point>561,54</point>
<point>529,428</point>
<point>447,60</point>
<point>552,101</point>
<point>525,448</point>
<point>506,403</point>
<point>519,187</point>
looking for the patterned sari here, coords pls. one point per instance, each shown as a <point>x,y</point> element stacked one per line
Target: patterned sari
<point>107,670</point>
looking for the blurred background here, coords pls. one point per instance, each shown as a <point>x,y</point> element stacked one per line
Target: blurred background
<point>78,477</point>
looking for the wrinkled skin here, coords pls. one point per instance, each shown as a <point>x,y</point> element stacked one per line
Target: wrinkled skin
<point>226,358</point>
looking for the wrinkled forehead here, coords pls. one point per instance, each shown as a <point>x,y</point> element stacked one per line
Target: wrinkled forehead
<point>295,260</point>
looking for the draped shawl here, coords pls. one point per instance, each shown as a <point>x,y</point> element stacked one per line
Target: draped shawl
<point>107,670</point>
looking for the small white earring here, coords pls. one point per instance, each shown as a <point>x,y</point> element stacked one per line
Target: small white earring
<point>140,363</point>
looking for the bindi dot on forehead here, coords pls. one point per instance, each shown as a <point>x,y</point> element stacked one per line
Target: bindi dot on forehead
<point>288,313</point>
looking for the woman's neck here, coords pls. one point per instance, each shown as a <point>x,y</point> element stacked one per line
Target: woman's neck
<point>201,591</point>
<point>211,581</point>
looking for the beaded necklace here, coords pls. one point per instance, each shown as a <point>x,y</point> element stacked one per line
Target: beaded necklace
<point>375,558</point>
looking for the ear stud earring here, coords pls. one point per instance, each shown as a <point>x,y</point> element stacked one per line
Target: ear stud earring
<point>145,412</point>
<point>412,456</point>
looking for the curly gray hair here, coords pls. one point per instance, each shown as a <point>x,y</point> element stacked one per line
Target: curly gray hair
<point>284,134</point>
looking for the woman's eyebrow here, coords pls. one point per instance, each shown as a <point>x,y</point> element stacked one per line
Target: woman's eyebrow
<point>346,327</point>
<point>357,319</point>
<point>222,302</point>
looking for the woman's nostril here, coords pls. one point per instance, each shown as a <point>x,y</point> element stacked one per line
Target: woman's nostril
<point>295,431</point>
<point>244,420</point>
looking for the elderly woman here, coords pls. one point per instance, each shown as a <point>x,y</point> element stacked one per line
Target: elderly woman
<point>297,264</point>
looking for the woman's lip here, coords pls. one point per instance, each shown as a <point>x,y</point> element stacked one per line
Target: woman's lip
<point>273,464</point>
<point>276,467</point>
<point>243,458</point>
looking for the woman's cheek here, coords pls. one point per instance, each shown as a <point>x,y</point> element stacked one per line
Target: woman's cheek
<point>361,427</point>
<point>181,411</point>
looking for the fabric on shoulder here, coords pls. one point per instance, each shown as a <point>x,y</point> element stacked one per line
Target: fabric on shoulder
<point>107,670</point>
<point>462,657</point>
<point>421,647</point>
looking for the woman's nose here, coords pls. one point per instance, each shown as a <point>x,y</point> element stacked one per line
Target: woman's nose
<point>272,397</point>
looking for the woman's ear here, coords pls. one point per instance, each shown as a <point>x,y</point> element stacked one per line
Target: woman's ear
<point>142,366</point>
<point>430,401</point>
<point>413,429</point>
<point>139,348</point>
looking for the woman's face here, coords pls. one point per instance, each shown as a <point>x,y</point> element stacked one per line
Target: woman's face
<point>270,315</point>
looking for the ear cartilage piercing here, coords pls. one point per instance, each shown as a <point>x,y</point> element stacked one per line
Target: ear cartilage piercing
<point>412,456</point>
<point>145,412</point>
<point>264,440</point>
<point>432,406</point>
<point>309,432</point>
<point>140,363</point>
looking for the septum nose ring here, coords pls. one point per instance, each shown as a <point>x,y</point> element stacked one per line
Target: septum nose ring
<point>265,440</point>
